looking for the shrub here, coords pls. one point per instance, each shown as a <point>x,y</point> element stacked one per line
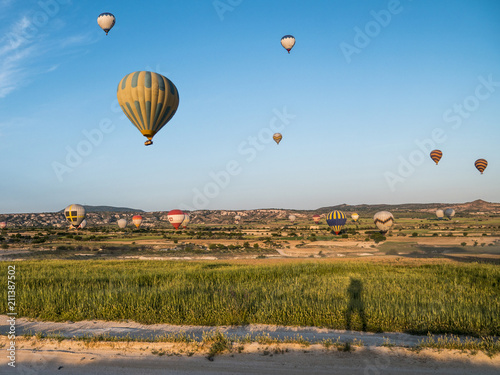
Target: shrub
<point>414,234</point>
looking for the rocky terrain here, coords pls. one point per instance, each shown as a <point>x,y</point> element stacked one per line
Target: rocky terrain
<point>105,215</point>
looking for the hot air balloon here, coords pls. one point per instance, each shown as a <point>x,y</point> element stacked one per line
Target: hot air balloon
<point>316,218</point>
<point>277,138</point>
<point>237,218</point>
<point>3,224</point>
<point>436,156</point>
<point>291,218</point>
<point>481,165</point>
<point>75,214</point>
<point>186,220</point>
<point>106,21</point>
<point>439,214</point>
<point>149,100</point>
<point>137,220</point>
<point>83,224</point>
<point>383,220</point>
<point>355,216</point>
<point>122,223</point>
<point>288,41</point>
<point>336,219</point>
<point>449,213</point>
<point>175,217</point>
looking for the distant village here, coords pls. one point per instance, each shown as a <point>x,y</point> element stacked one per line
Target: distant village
<point>99,216</point>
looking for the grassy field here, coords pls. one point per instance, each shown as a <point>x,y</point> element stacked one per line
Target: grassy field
<point>437,298</point>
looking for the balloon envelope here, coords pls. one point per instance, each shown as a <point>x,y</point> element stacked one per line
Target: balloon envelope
<point>83,224</point>
<point>106,21</point>
<point>277,138</point>
<point>355,216</point>
<point>316,218</point>
<point>75,214</point>
<point>288,41</point>
<point>175,217</point>
<point>436,156</point>
<point>481,165</point>
<point>3,224</point>
<point>149,100</point>
<point>122,223</point>
<point>291,218</point>
<point>137,220</point>
<point>186,220</point>
<point>449,213</point>
<point>440,214</point>
<point>383,220</point>
<point>336,219</point>
<point>237,218</point>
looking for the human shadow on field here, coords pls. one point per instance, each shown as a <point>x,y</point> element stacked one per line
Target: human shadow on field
<point>356,304</point>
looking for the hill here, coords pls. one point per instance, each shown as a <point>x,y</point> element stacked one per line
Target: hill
<point>108,215</point>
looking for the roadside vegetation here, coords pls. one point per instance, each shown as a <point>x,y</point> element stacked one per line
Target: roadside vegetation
<point>460,299</point>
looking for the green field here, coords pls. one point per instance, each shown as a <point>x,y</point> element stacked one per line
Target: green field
<point>377,297</point>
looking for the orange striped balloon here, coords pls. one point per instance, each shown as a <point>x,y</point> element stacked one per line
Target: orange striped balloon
<point>481,165</point>
<point>436,155</point>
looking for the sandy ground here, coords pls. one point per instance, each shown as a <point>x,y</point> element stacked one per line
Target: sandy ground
<point>71,357</point>
<point>45,356</point>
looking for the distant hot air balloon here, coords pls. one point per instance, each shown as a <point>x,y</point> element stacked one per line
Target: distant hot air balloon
<point>288,41</point>
<point>355,216</point>
<point>83,224</point>
<point>149,100</point>
<point>481,165</point>
<point>175,217</point>
<point>237,218</point>
<point>137,220</point>
<point>3,224</point>
<point>336,219</point>
<point>122,223</point>
<point>436,155</point>
<point>439,213</point>
<point>277,138</point>
<point>75,214</point>
<point>316,218</point>
<point>186,220</point>
<point>106,21</point>
<point>383,220</point>
<point>291,218</point>
<point>449,213</point>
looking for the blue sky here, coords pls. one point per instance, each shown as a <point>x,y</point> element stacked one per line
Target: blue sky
<point>368,90</point>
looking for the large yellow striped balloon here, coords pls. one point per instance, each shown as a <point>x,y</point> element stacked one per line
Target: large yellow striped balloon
<point>149,100</point>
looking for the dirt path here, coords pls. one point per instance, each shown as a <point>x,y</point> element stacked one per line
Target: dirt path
<point>46,356</point>
<point>78,358</point>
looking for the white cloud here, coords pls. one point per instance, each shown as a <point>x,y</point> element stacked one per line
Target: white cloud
<point>27,50</point>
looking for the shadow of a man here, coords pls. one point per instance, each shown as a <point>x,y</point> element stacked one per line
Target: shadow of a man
<point>356,304</point>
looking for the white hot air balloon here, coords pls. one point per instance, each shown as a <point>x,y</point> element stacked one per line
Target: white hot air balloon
<point>288,41</point>
<point>383,220</point>
<point>439,214</point>
<point>75,214</point>
<point>186,220</point>
<point>237,219</point>
<point>83,224</point>
<point>122,223</point>
<point>106,21</point>
<point>291,218</point>
<point>449,213</point>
